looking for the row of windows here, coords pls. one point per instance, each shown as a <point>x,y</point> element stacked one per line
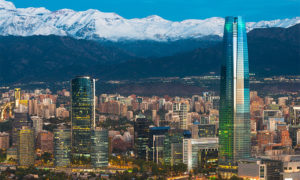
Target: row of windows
<point>290,168</point>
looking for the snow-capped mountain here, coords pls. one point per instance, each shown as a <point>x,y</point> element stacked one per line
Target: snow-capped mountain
<point>96,25</point>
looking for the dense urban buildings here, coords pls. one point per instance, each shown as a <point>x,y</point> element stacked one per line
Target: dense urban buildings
<point>150,132</point>
<point>234,123</point>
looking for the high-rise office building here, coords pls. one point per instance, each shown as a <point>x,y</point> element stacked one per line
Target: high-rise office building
<point>141,137</point>
<point>17,97</point>
<point>195,152</point>
<point>37,124</point>
<point>156,143</point>
<point>4,140</point>
<point>173,151</point>
<point>82,116</point>
<point>21,119</point>
<point>26,146</point>
<point>99,148</point>
<point>234,125</point>
<point>181,109</point>
<point>44,141</point>
<point>206,130</point>
<point>62,147</point>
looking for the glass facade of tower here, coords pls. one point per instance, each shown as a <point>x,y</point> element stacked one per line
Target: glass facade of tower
<point>156,143</point>
<point>173,143</point>
<point>99,151</point>
<point>206,130</point>
<point>21,119</point>
<point>141,137</point>
<point>26,146</point>
<point>192,149</point>
<point>83,117</point>
<point>234,124</point>
<point>62,144</point>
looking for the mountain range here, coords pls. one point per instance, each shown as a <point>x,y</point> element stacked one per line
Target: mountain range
<point>95,25</point>
<point>272,51</point>
<point>41,45</point>
<point>36,58</point>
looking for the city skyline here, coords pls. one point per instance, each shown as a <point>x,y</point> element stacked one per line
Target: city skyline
<point>93,95</point>
<point>158,136</point>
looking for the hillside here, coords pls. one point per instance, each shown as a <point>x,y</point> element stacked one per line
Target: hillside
<point>272,51</point>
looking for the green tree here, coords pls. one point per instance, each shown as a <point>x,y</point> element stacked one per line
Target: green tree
<point>135,170</point>
<point>235,178</point>
<point>179,168</point>
<point>2,155</point>
<point>46,157</point>
<point>155,170</point>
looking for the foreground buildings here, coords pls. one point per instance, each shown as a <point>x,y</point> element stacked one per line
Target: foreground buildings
<point>234,124</point>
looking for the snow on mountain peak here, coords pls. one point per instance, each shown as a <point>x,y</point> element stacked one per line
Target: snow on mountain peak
<point>155,18</point>
<point>285,23</point>
<point>34,11</point>
<point>6,5</point>
<point>94,24</point>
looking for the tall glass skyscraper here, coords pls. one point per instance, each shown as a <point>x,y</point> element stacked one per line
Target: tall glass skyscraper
<point>234,123</point>
<point>21,119</point>
<point>157,136</point>
<point>141,137</point>
<point>83,117</point>
<point>26,146</point>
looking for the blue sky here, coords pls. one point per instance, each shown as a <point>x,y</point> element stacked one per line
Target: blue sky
<point>177,10</point>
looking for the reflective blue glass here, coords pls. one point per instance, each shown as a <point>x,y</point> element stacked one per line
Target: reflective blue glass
<point>234,123</point>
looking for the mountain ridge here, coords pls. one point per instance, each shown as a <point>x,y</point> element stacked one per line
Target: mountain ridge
<point>272,51</point>
<point>39,58</point>
<point>96,25</point>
